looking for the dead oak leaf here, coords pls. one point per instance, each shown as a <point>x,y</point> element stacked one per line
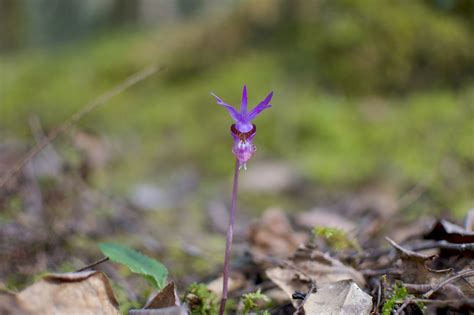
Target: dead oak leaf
<point>415,266</point>
<point>307,266</point>
<point>165,302</point>
<point>273,236</point>
<point>450,232</point>
<point>167,297</point>
<point>342,297</point>
<point>87,292</point>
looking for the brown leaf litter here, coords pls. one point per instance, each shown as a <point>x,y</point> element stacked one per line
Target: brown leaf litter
<point>87,292</point>
<point>301,274</point>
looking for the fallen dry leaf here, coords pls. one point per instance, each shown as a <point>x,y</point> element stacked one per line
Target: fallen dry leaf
<point>167,297</point>
<point>289,281</point>
<point>445,230</point>
<point>273,236</point>
<point>342,298</point>
<point>87,292</point>
<point>165,302</point>
<point>458,285</point>
<point>309,265</point>
<point>415,266</point>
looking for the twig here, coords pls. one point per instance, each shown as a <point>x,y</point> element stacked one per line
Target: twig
<point>380,272</point>
<point>415,192</point>
<point>415,288</point>
<point>402,307</point>
<point>95,263</point>
<point>65,126</point>
<point>466,273</point>
<point>411,196</point>
<point>300,308</point>
<point>424,246</point>
<point>403,250</point>
<point>440,303</point>
<point>445,245</point>
<point>379,295</point>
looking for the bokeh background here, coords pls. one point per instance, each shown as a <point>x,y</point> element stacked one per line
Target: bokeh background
<point>373,107</point>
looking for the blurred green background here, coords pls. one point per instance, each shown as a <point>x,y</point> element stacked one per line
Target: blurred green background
<point>368,93</point>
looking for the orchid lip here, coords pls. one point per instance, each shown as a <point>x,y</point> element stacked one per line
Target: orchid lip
<point>243,136</point>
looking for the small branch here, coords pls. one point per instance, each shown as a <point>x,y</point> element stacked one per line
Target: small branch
<point>402,250</point>
<point>380,272</point>
<point>65,126</point>
<point>424,246</point>
<point>466,273</point>
<point>416,192</point>
<point>445,245</point>
<point>379,295</point>
<point>311,290</point>
<point>402,307</point>
<point>95,263</point>
<point>415,288</point>
<point>440,303</point>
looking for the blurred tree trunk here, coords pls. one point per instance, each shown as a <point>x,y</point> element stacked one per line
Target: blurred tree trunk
<point>11,24</point>
<point>124,11</point>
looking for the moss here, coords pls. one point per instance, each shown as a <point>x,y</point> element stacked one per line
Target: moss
<point>398,294</point>
<point>200,300</point>
<point>336,238</point>
<point>254,301</point>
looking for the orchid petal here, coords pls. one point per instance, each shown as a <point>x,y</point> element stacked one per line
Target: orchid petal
<point>232,111</point>
<point>260,107</point>
<point>243,106</point>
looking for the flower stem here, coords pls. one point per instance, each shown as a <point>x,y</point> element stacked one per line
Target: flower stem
<point>230,234</point>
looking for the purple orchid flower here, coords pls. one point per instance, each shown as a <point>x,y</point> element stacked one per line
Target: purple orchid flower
<point>243,130</point>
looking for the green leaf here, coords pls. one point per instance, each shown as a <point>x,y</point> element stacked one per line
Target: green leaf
<point>151,269</point>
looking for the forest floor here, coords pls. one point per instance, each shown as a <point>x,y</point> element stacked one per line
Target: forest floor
<point>357,256</point>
